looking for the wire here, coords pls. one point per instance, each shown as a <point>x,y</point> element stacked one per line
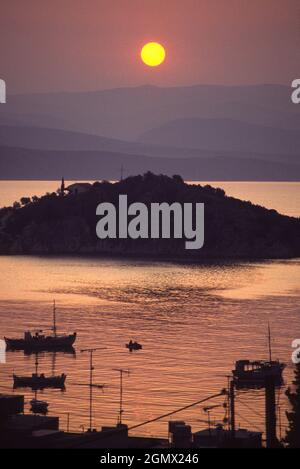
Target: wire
<point>107,434</point>
<point>250,408</point>
<point>248,421</point>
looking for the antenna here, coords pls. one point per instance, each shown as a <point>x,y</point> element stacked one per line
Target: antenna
<point>121,410</point>
<point>208,410</point>
<point>122,171</point>
<point>54,319</point>
<point>91,351</point>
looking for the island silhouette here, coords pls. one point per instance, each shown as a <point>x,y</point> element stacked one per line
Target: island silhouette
<point>64,222</point>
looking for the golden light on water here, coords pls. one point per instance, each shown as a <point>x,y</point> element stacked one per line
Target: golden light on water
<point>193,321</point>
<point>153,54</point>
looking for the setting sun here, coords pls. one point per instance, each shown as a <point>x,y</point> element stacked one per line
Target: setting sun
<point>153,54</point>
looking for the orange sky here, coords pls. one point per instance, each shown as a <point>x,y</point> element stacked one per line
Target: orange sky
<point>93,44</point>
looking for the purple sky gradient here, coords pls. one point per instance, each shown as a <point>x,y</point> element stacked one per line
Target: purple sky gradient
<point>66,45</point>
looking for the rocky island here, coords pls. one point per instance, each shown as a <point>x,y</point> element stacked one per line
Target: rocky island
<point>65,223</point>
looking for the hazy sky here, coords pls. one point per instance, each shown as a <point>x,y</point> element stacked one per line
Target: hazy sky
<point>94,44</point>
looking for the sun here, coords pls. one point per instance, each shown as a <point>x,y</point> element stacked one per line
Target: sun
<point>153,54</point>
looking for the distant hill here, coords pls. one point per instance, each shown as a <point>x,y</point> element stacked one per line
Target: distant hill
<point>24,163</point>
<point>236,132</point>
<point>40,138</point>
<point>56,139</point>
<point>225,135</point>
<point>126,113</point>
<point>67,225</point>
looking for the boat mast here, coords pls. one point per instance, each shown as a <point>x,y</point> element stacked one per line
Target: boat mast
<point>269,339</point>
<point>36,372</point>
<point>36,363</point>
<point>54,319</point>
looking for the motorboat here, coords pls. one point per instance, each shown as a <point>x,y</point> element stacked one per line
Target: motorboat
<point>134,346</point>
<point>256,373</point>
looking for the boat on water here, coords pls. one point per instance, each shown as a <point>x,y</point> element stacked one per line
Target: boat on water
<point>39,407</point>
<point>134,346</point>
<point>256,373</point>
<point>41,342</point>
<point>39,380</point>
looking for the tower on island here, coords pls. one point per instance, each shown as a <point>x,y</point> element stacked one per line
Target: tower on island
<point>62,187</point>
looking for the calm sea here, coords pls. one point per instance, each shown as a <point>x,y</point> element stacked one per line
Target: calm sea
<point>194,321</point>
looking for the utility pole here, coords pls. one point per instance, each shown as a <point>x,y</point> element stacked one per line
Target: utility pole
<point>270,399</point>
<point>121,410</point>
<point>91,351</point>
<point>229,377</point>
<point>232,409</point>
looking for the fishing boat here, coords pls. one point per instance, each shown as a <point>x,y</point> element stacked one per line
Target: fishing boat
<point>133,345</point>
<point>39,341</point>
<point>39,380</point>
<point>38,407</point>
<point>255,373</point>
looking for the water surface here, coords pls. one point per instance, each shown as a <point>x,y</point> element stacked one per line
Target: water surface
<point>194,321</point>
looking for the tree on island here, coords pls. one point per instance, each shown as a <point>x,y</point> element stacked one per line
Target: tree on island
<point>62,225</point>
<point>293,433</point>
<point>25,200</point>
<point>16,205</point>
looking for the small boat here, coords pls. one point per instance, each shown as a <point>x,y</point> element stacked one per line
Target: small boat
<point>39,381</point>
<point>255,373</point>
<point>133,346</point>
<point>39,407</point>
<point>40,342</point>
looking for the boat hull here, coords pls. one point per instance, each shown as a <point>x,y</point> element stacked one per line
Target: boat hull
<point>134,346</point>
<point>39,407</point>
<point>258,377</point>
<point>39,381</point>
<point>37,344</point>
